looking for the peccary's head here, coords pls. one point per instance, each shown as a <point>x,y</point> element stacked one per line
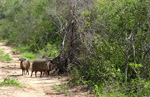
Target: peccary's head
<point>22,59</point>
<point>56,60</point>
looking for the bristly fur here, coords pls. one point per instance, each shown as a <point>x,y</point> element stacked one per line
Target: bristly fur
<point>24,65</point>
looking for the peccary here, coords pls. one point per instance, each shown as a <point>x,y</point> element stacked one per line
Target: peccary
<point>50,59</point>
<point>41,65</point>
<point>60,65</point>
<point>24,65</point>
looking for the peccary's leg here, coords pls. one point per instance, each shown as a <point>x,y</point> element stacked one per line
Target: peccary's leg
<point>41,74</point>
<point>25,72</point>
<point>46,72</point>
<point>31,73</point>
<point>28,71</point>
<point>35,73</point>
<point>22,72</point>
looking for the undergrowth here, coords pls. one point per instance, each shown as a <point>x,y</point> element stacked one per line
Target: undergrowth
<point>61,88</point>
<point>11,82</point>
<point>5,58</point>
<point>1,52</point>
<point>30,56</point>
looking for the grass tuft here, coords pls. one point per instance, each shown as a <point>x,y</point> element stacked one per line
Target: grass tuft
<point>30,56</point>
<point>5,58</point>
<point>11,82</point>
<point>60,88</point>
<point>15,51</point>
<point>1,52</point>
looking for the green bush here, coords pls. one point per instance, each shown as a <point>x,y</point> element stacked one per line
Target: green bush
<point>15,51</point>
<point>28,55</point>
<point>50,50</point>
<point>1,52</point>
<point>60,88</point>
<point>23,49</point>
<point>11,82</point>
<point>5,58</point>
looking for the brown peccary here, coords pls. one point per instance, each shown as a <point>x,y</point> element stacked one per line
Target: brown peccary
<point>41,65</point>
<point>60,65</point>
<point>24,65</point>
<point>50,59</point>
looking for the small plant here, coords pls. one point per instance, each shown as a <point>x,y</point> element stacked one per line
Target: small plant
<point>11,82</point>
<point>1,52</point>
<point>59,77</point>
<point>60,88</point>
<point>66,93</point>
<point>57,88</point>
<point>5,58</point>
<point>4,40</point>
<point>64,86</point>
<point>23,49</point>
<point>15,51</point>
<point>50,50</point>
<point>30,56</point>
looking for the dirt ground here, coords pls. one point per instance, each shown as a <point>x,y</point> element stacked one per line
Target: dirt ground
<point>33,87</point>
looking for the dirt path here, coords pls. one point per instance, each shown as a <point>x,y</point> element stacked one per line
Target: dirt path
<point>33,87</point>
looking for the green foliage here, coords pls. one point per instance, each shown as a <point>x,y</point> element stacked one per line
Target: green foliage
<point>15,51</point>
<point>114,40</point>
<point>97,91</point>
<point>59,77</point>
<point>117,46</point>
<point>57,88</point>
<point>75,75</point>
<point>137,87</point>
<point>50,50</point>
<point>23,49</point>
<point>27,24</point>
<point>1,52</point>
<point>11,82</point>
<point>5,58</point>
<point>60,88</point>
<point>145,91</point>
<point>30,56</point>
<point>64,86</point>
<point>135,67</point>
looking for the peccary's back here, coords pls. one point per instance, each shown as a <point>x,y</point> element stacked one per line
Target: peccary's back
<point>40,65</point>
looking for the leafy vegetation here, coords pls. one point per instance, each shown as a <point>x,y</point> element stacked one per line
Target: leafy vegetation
<point>1,52</point>
<point>11,82</point>
<point>30,56</point>
<point>5,58</point>
<point>60,88</point>
<point>106,41</point>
